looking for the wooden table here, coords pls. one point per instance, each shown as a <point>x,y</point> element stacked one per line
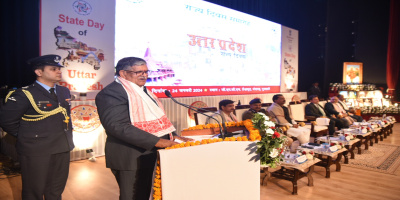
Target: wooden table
<point>374,136</point>
<point>350,147</point>
<point>364,139</point>
<point>327,159</point>
<point>293,172</point>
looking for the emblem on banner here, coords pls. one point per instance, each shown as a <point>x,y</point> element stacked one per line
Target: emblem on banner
<point>82,7</point>
<point>85,118</point>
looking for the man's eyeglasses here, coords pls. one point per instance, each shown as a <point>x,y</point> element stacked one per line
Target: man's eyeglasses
<point>138,72</point>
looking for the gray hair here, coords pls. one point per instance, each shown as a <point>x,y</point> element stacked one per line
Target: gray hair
<point>126,63</point>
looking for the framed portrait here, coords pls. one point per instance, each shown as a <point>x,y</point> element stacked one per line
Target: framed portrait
<point>352,72</point>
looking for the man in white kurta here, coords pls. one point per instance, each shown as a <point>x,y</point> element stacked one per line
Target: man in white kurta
<point>283,117</point>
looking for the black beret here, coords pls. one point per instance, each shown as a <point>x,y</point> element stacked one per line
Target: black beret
<point>255,101</point>
<point>52,60</point>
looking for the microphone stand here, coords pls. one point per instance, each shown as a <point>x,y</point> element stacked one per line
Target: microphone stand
<point>226,133</point>
<point>222,133</point>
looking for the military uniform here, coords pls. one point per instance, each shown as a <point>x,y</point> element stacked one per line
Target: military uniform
<point>43,129</point>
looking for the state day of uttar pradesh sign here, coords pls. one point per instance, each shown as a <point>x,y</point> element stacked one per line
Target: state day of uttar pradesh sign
<point>82,33</point>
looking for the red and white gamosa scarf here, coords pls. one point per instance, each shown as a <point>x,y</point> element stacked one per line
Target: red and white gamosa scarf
<point>143,112</point>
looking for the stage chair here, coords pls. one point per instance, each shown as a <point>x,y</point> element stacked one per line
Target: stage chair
<point>265,105</point>
<point>201,119</point>
<point>239,110</point>
<point>322,103</point>
<point>298,113</point>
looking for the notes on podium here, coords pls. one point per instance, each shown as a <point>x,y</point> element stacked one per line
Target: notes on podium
<point>222,170</point>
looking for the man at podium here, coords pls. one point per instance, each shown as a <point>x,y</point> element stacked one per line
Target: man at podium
<point>136,126</point>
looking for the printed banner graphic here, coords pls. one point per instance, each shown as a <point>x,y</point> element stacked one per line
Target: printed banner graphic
<point>82,33</point>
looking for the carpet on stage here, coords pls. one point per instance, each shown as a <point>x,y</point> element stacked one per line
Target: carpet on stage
<point>384,158</point>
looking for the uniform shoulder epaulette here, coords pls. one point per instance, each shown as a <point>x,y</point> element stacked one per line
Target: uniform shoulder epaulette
<point>25,87</point>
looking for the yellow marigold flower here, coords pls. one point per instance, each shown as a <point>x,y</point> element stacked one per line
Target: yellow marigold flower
<point>157,185</point>
<point>197,142</point>
<point>220,139</point>
<point>158,172</point>
<point>258,137</point>
<point>244,137</point>
<point>158,168</point>
<point>209,140</point>
<point>158,176</point>
<point>191,143</point>
<point>203,142</point>
<point>187,144</point>
<point>227,139</point>
<point>252,138</point>
<point>215,140</point>
<point>239,139</point>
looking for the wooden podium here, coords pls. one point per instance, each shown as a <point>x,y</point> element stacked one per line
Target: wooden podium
<point>222,170</point>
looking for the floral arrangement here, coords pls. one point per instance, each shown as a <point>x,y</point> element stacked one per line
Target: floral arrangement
<point>338,145</point>
<point>309,154</point>
<point>254,134</point>
<point>157,195</point>
<point>207,141</point>
<point>351,136</point>
<point>215,125</point>
<point>367,128</point>
<point>271,144</point>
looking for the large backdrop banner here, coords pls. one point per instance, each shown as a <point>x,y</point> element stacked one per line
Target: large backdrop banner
<point>82,33</point>
<point>290,60</point>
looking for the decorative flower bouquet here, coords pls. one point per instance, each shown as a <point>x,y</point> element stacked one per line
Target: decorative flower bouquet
<point>271,145</point>
<point>309,154</point>
<point>349,136</point>
<point>368,129</point>
<point>339,145</point>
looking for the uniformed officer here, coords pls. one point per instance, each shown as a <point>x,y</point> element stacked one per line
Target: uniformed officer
<point>39,116</point>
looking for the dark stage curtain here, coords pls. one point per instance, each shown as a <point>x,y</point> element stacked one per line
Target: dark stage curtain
<point>393,55</point>
<point>19,41</point>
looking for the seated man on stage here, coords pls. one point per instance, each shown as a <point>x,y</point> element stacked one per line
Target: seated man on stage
<point>347,109</point>
<point>282,116</point>
<point>225,112</point>
<point>333,108</point>
<point>316,110</point>
<point>255,107</point>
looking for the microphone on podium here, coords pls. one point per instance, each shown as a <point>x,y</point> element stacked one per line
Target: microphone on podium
<point>223,133</point>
